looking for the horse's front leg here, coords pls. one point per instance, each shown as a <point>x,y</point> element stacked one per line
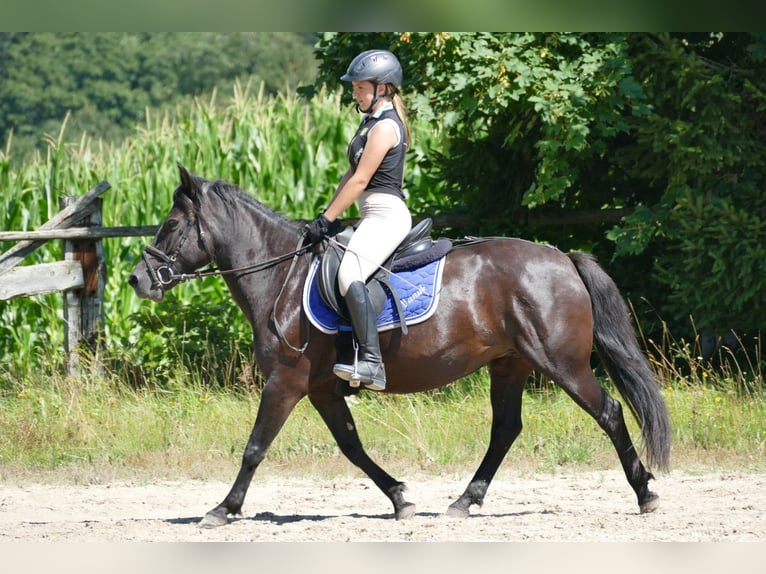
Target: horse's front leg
<point>277,402</point>
<point>334,411</point>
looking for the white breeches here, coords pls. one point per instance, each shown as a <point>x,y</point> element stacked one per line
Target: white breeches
<point>385,221</point>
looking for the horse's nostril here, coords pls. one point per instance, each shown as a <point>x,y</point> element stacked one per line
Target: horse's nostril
<point>133,281</point>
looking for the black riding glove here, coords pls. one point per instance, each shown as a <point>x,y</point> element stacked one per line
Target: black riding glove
<point>320,228</point>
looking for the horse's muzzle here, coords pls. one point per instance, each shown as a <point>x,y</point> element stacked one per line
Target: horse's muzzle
<point>143,286</point>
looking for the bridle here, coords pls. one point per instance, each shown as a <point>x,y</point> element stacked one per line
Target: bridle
<point>165,274</point>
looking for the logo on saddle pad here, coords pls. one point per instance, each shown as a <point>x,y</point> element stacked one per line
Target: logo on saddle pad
<point>417,291</point>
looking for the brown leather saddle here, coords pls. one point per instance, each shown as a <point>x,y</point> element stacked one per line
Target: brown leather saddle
<point>415,250</point>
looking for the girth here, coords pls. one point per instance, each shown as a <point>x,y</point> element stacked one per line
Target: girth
<point>413,249</point>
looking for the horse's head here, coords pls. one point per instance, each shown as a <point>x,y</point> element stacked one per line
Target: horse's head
<point>179,246</point>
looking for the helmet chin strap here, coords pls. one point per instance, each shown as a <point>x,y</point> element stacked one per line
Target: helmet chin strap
<point>374,101</point>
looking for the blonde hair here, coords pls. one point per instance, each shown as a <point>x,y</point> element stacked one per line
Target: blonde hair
<point>402,113</point>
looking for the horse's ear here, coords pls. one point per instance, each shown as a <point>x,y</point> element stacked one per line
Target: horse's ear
<point>191,184</point>
<point>187,179</point>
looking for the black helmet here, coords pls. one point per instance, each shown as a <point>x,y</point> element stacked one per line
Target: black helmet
<point>377,66</point>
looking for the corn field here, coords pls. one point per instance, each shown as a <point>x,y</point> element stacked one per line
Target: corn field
<point>286,151</point>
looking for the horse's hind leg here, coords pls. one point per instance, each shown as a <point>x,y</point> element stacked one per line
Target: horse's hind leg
<point>334,411</point>
<point>508,377</point>
<point>612,421</point>
<point>607,412</point>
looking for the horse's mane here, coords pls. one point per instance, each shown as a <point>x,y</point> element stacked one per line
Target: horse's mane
<point>234,199</point>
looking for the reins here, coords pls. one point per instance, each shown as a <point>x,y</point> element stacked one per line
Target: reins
<point>254,268</point>
<point>298,250</point>
<point>165,274</point>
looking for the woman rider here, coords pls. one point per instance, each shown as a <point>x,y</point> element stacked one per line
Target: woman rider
<point>374,181</point>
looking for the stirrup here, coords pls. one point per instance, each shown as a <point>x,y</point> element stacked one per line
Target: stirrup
<point>374,378</point>
<point>344,372</point>
<point>347,372</point>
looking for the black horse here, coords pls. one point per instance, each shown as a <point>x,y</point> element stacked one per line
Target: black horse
<point>512,305</point>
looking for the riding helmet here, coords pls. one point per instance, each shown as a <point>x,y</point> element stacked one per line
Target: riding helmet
<point>378,66</point>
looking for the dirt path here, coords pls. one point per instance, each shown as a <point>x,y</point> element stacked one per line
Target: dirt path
<point>592,507</point>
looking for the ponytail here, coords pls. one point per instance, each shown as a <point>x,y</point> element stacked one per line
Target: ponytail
<point>402,113</point>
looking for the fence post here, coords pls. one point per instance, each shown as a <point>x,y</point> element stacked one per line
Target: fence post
<point>84,307</point>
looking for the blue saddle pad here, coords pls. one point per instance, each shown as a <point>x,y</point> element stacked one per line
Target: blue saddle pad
<point>418,290</point>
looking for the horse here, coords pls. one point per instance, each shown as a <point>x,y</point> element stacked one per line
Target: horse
<point>509,304</point>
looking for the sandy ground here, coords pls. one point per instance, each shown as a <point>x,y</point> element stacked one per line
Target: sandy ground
<point>577,507</point>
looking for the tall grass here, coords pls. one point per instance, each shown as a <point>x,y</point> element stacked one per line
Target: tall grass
<point>723,396</point>
<point>98,428</point>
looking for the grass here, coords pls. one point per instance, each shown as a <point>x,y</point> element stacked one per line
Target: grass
<point>82,430</point>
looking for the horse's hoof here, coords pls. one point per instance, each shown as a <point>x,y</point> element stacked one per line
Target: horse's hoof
<point>405,512</point>
<point>651,504</point>
<point>214,519</point>
<point>457,512</point>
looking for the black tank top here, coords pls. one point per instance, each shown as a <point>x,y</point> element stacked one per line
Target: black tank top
<point>389,176</point>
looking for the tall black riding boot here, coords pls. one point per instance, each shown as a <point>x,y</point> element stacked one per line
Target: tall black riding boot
<point>368,363</point>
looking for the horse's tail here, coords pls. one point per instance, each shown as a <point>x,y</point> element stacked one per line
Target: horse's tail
<point>617,347</point>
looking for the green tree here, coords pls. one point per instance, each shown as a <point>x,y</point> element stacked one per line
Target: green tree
<point>522,115</point>
<point>108,80</point>
<point>701,157</point>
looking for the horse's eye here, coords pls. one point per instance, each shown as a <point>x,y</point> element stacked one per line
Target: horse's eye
<point>172,224</point>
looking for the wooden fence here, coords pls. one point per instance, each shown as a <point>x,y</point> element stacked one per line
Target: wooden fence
<point>80,276</point>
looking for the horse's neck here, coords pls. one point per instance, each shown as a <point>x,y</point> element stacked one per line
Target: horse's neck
<point>252,234</point>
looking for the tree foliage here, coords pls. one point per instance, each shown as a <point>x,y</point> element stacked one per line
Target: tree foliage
<point>521,114</point>
<point>701,156</point>
<point>667,127</point>
<point>108,80</point>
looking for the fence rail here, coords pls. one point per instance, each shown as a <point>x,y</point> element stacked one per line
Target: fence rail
<point>80,276</point>
<point>79,233</point>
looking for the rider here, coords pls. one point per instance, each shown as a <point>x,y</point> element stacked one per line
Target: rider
<point>374,180</point>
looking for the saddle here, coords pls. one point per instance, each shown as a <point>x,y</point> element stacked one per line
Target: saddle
<point>416,249</point>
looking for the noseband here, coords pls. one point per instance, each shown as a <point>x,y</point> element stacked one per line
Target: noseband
<point>163,274</point>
